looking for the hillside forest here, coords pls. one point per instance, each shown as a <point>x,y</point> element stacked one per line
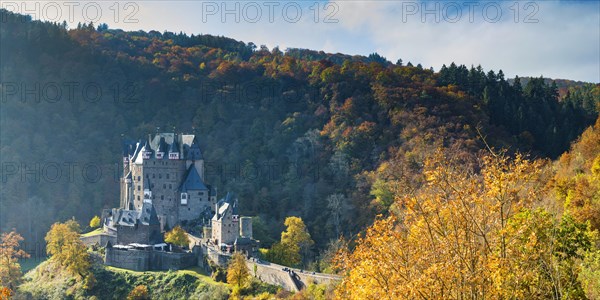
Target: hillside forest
<point>412,182</point>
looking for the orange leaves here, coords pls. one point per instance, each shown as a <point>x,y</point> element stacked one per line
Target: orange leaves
<point>10,270</point>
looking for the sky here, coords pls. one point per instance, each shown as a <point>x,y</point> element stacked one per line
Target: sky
<point>556,39</point>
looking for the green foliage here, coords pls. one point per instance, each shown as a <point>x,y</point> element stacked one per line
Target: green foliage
<point>589,276</point>
<point>382,193</point>
<point>219,274</point>
<point>280,254</point>
<point>50,281</point>
<point>532,110</point>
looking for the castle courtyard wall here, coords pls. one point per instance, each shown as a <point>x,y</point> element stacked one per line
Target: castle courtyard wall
<point>150,260</point>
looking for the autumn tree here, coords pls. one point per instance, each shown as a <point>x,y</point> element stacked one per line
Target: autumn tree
<point>139,292</point>
<point>439,242</point>
<point>577,179</point>
<point>237,271</point>
<point>296,239</point>
<point>66,249</point>
<point>589,277</point>
<point>542,259</point>
<point>177,236</point>
<point>5,293</point>
<point>283,255</point>
<point>10,253</point>
<point>95,222</point>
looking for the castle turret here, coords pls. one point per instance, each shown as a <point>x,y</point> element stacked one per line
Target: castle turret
<point>126,152</point>
<point>246,227</point>
<point>174,150</point>
<point>147,151</point>
<point>194,156</point>
<point>161,149</point>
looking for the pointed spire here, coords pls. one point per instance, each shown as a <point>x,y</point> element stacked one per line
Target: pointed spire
<point>146,150</point>
<point>194,153</point>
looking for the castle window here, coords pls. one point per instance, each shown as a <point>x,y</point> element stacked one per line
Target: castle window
<point>162,197</point>
<point>138,197</point>
<point>184,198</point>
<point>153,176</point>
<point>164,185</point>
<point>200,193</point>
<point>139,178</point>
<point>159,176</point>
<point>170,187</point>
<point>167,176</point>
<point>139,187</point>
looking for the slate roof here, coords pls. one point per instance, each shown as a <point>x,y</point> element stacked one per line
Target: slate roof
<point>192,181</point>
<point>129,148</point>
<point>162,146</point>
<point>130,217</point>
<point>194,152</point>
<point>147,215</point>
<point>226,203</point>
<point>166,137</point>
<point>137,151</point>
<point>125,217</point>
<point>213,190</point>
<point>242,241</point>
<point>185,144</point>
<point>174,147</point>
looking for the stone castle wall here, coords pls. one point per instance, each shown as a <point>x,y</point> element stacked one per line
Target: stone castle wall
<point>150,260</point>
<point>198,201</point>
<point>143,234</point>
<point>100,239</point>
<point>163,178</point>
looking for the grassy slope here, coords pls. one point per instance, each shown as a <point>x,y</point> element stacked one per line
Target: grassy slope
<point>48,281</point>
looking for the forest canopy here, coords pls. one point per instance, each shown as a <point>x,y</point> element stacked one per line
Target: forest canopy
<point>293,133</point>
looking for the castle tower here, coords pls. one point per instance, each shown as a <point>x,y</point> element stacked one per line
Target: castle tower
<point>246,227</point>
<point>194,156</point>
<point>174,150</point>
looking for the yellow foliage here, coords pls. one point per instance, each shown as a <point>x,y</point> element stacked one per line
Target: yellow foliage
<point>577,179</point>
<point>295,239</point>
<point>95,222</point>
<point>177,236</point>
<point>65,247</point>
<point>237,271</point>
<point>449,235</point>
